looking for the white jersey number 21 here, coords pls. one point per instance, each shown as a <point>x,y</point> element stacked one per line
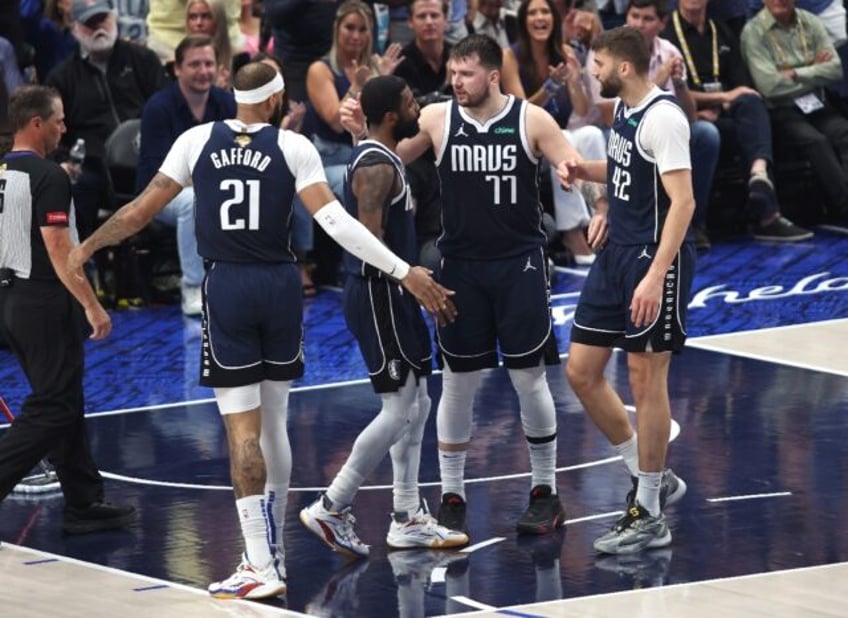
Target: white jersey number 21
<point>228,220</point>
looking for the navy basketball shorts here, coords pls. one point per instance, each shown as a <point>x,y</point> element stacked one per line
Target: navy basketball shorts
<point>390,329</point>
<point>501,304</point>
<point>252,324</point>
<point>602,317</point>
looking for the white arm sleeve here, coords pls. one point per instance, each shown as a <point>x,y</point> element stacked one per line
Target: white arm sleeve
<point>356,238</point>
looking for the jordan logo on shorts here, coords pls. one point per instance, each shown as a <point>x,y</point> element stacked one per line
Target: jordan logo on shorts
<point>644,254</point>
<point>461,131</point>
<point>528,265</point>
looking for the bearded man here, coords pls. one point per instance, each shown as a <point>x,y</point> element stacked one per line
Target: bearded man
<point>102,84</point>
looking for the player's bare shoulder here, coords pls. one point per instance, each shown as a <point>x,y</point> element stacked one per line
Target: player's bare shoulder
<point>432,121</point>
<point>539,126</point>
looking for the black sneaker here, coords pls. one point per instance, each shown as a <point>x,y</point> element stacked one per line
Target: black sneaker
<point>781,230</point>
<point>452,512</point>
<point>97,516</point>
<point>544,514</point>
<point>672,489</point>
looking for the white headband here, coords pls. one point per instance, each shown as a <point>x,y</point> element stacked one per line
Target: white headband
<point>257,95</point>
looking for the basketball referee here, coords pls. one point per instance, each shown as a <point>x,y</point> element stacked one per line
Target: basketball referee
<point>40,312</point>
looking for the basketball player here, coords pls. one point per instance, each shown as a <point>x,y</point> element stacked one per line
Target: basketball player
<point>245,173</point>
<point>392,337</point>
<point>636,294</point>
<point>488,147</point>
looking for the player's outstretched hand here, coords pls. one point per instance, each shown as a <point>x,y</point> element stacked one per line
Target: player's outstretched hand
<point>566,175</point>
<point>432,296</point>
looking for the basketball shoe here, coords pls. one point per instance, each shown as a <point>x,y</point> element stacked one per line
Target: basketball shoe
<point>545,512</point>
<point>422,530</point>
<point>635,531</point>
<point>250,582</point>
<point>672,489</point>
<point>335,528</point>
<point>452,512</point>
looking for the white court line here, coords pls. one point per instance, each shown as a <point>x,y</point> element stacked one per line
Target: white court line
<point>777,494</point>
<point>136,576</point>
<point>472,603</point>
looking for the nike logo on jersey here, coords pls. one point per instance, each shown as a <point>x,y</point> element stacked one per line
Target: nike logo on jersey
<point>528,266</point>
<point>644,254</point>
<point>461,131</point>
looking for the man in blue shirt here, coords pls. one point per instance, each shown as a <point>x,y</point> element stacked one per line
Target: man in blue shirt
<point>191,100</point>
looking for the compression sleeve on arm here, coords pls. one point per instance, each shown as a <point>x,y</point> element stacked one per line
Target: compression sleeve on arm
<point>356,238</point>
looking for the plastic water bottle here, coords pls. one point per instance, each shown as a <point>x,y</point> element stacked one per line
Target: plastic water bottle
<point>77,153</point>
<point>77,156</point>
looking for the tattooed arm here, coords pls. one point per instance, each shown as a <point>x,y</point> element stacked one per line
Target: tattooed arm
<point>126,221</point>
<point>373,186</point>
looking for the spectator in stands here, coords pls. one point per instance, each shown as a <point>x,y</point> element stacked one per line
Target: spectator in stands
<point>251,25</point>
<point>132,20</point>
<point>490,19</point>
<point>791,61</point>
<point>193,99</point>
<point>343,72</point>
<point>667,70</point>
<point>52,33</point>
<point>209,17</point>
<point>102,84</point>
<point>540,68</point>
<point>425,58</point>
<point>721,89</point>
<point>456,28</point>
<point>303,33</point>
<point>166,21</point>
<point>11,74</point>
<point>830,12</point>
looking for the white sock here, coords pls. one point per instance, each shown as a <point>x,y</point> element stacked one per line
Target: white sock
<point>452,470</point>
<point>254,529</point>
<point>629,451</point>
<point>543,462</point>
<point>648,493</point>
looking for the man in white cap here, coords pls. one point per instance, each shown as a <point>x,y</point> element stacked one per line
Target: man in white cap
<point>245,173</point>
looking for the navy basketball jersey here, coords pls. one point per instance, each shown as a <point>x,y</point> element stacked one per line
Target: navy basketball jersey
<point>490,191</point>
<point>638,203</point>
<point>243,196</point>
<point>398,214</point>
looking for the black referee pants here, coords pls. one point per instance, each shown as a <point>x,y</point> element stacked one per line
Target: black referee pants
<point>42,322</point>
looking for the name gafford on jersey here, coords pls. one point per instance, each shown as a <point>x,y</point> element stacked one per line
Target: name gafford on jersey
<point>240,156</point>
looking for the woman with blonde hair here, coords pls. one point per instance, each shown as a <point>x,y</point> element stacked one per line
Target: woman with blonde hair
<point>342,73</point>
<point>209,17</point>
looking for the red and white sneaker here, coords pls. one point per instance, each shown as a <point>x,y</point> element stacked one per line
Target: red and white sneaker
<point>250,582</point>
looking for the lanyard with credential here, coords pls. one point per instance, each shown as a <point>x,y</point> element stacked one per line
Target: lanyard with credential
<point>782,58</point>
<point>687,54</point>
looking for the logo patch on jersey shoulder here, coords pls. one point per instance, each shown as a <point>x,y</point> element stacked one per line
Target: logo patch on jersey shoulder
<point>242,139</point>
<point>504,130</point>
<point>632,122</point>
<point>461,131</point>
<point>57,217</point>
